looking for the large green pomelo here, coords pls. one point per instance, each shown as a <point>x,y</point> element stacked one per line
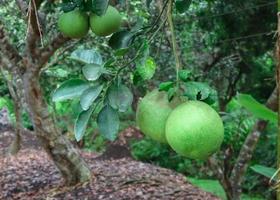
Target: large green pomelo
<point>152,113</point>
<point>106,24</point>
<point>74,24</point>
<point>194,130</point>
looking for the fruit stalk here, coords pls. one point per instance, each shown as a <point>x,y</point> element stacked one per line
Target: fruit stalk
<point>174,43</point>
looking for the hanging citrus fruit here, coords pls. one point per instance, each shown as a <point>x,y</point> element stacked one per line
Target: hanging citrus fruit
<point>106,24</point>
<point>195,130</point>
<point>74,24</point>
<point>152,113</point>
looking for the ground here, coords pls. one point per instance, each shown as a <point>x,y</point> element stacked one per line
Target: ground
<point>31,175</point>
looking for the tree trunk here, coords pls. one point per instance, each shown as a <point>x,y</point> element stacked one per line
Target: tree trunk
<point>72,167</point>
<point>16,144</point>
<point>239,170</point>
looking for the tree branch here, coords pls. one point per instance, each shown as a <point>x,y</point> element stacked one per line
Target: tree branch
<point>216,57</point>
<point>8,49</point>
<point>34,32</point>
<point>47,52</point>
<point>34,17</point>
<point>22,5</point>
<point>220,174</point>
<point>248,148</point>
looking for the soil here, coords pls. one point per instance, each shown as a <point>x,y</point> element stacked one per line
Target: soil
<point>31,175</point>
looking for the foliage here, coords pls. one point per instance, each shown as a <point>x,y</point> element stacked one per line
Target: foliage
<point>214,187</point>
<point>222,53</point>
<point>257,109</point>
<point>265,171</point>
<point>7,103</point>
<point>148,150</point>
<point>238,124</point>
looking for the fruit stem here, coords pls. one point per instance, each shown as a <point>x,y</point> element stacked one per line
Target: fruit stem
<point>174,43</point>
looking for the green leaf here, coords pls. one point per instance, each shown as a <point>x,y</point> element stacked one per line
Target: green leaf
<point>212,98</point>
<point>87,56</point>
<point>121,52</point>
<point>144,51</point>
<point>109,62</point>
<point>165,86</point>
<point>81,123</point>
<point>70,89</point>
<point>6,102</point>
<point>3,102</point>
<point>265,171</point>
<point>197,90</point>
<point>120,40</point>
<point>92,72</point>
<point>120,97</point>
<point>108,122</point>
<point>99,7</point>
<point>184,74</point>
<point>170,94</point>
<point>257,109</point>
<point>76,108</point>
<point>146,69</point>
<point>67,7</point>
<point>183,5</point>
<point>148,3</point>
<point>89,96</point>
<point>210,185</point>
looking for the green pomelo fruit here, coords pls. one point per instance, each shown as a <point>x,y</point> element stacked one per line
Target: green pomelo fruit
<point>74,24</point>
<point>194,130</point>
<point>106,24</point>
<point>152,113</point>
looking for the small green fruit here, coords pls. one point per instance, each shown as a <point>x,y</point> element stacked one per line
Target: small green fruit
<point>74,24</point>
<point>152,113</point>
<point>194,130</point>
<point>106,24</point>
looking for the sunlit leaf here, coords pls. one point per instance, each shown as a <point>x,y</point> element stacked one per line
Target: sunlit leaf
<point>257,109</point>
<point>165,86</point>
<point>265,171</point>
<point>146,69</point>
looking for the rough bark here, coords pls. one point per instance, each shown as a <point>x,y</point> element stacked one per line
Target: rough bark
<point>26,70</point>
<point>15,146</point>
<point>66,158</point>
